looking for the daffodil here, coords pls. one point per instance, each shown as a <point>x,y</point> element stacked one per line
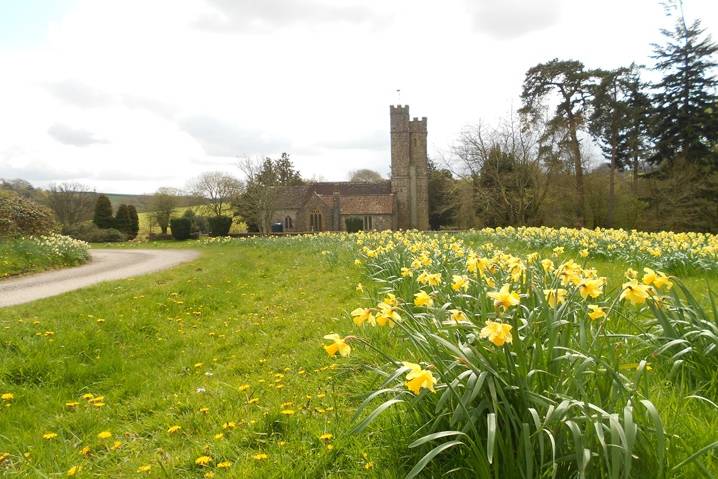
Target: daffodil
<point>362,315</point>
<point>590,288</point>
<point>459,283</point>
<point>504,297</point>
<point>657,279</point>
<point>387,315</point>
<point>554,297</point>
<point>498,333</point>
<point>596,312</point>
<point>338,345</point>
<point>423,299</point>
<point>635,292</point>
<point>418,378</point>
<point>457,315</point>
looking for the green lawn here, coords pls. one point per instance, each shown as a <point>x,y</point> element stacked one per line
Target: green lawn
<point>228,348</point>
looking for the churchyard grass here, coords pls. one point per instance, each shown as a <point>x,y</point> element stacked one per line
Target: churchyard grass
<point>216,369</point>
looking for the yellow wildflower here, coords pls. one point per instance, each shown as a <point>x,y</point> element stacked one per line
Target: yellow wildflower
<point>260,456</point>
<point>145,468</point>
<point>72,472</point>
<point>596,312</point>
<point>459,282</point>
<point>7,396</point>
<point>49,436</point>
<point>406,272</point>
<point>224,465</point>
<point>339,345</point>
<point>419,378</point>
<point>590,287</point>
<point>498,333</point>
<point>174,429</point>
<point>423,299</point>
<point>635,292</point>
<point>554,297</point>
<point>504,297</point>
<point>362,315</point>
<point>203,460</point>
<point>458,315</point>
<point>104,435</point>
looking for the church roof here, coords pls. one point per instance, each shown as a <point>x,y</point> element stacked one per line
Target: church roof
<point>294,197</point>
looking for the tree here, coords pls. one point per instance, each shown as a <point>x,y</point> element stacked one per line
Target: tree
<point>217,189</point>
<point>686,117</point>
<point>256,203</point>
<point>134,222</point>
<point>443,203</point>
<point>72,203</point>
<point>163,203</point>
<point>619,122</point>
<point>122,219</point>
<point>571,85</point>
<point>365,176</point>
<point>103,213</point>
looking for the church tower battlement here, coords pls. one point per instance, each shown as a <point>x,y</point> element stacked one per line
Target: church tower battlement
<point>409,168</point>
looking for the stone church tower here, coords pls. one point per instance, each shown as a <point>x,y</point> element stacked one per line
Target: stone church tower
<point>409,169</point>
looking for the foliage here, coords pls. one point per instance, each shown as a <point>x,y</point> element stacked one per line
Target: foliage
<point>442,197</point>
<point>89,232</point>
<point>181,228</point>
<point>72,203</point>
<point>38,253</point>
<point>134,222</point>
<point>686,118</point>
<point>103,213</point>
<point>219,225</point>
<point>21,216</point>
<point>217,189</point>
<point>164,201</point>
<point>122,219</point>
<point>516,368</point>
<point>365,175</point>
<point>255,204</point>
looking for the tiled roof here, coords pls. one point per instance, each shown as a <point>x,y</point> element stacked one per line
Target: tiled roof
<point>290,197</point>
<point>367,205</point>
<point>294,197</point>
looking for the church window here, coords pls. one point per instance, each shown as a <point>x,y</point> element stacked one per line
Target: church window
<point>367,223</point>
<point>315,221</point>
<point>288,223</point>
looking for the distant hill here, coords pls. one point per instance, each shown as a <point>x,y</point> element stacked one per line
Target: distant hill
<point>144,202</point>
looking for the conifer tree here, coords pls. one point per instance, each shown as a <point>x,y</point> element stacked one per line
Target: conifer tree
<point>103,213</point>
<point>122,219</point>
<point>134,222</point>
<point>685,123</point>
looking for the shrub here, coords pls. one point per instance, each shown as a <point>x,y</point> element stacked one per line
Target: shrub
<point>134,222</point>
<point>21,216</point>
<point>122,219</point>
<point>103,213</point>
<point>219,225</point>
<point>181,228</point>
<point>354,224</point>
<point>89,232</point>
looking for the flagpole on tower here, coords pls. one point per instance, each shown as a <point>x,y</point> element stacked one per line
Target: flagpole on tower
<point>398,96</point>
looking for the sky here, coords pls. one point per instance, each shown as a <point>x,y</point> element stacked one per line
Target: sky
<point>126,96</point>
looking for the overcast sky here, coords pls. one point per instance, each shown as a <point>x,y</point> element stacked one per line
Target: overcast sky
<point>129,95</point>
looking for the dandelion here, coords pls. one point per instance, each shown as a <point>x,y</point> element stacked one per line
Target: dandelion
<point>287,412</point>
<point>104,435</point>
<point>360,288</point>
<point>49,436</point>
<point>144,469</point>
<point>338,345</point>
<point>497,333</point>
<point>174,429</point>
<point>260,456</point>
<point>504,297</point>
<point>72,472</point>
<point>327,436</point>
<point>85,451</point>
<point>203,461</point>
<point>7,397</point>
<point>224,465</point>
<point>423,299</point>
<point>418,378</point>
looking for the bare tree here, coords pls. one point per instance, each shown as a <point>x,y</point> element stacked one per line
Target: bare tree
<point>72,203</point>
<point>365,175</point>
<point>217,189</point>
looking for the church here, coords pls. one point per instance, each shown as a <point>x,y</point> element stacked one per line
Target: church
<point>401,202</point>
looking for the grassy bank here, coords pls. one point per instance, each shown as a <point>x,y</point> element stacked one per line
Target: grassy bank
<point>27,255</point>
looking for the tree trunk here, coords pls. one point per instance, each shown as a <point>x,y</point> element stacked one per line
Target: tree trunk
<point>576,153</point>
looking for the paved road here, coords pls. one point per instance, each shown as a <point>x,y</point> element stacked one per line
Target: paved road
<point>106,265</point>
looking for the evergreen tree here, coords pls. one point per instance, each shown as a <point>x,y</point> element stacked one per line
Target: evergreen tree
<point>443,203</point>
<point>122,219</point>
<point>103,213</point>
<point>685,118</point>
<point>134,222</point>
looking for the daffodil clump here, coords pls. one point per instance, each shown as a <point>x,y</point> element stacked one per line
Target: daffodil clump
<point>513,365</point>
<point>663,250</point>
<point>35,253</point>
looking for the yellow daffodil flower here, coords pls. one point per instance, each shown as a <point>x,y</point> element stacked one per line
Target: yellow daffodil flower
<point>497,333</point>
<point>418,378</point>
<point>504,297</point>
<point>338,345</point>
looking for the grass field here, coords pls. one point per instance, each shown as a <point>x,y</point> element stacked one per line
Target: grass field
<point>147,226</point>
<point>216,369</point>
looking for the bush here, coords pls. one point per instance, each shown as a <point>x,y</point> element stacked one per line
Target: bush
<point>122,219</point>
<point>103,213</point>
<point>159,236</point>
<point>354,224</point>
<point>219,225</point>
<point>134,222</point>
<point>181,228</point>
<point>22,217</point>
<point>92,234</point>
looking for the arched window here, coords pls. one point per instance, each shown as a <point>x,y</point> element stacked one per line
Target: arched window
<point>288,223</point>
<point>315,221</point>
